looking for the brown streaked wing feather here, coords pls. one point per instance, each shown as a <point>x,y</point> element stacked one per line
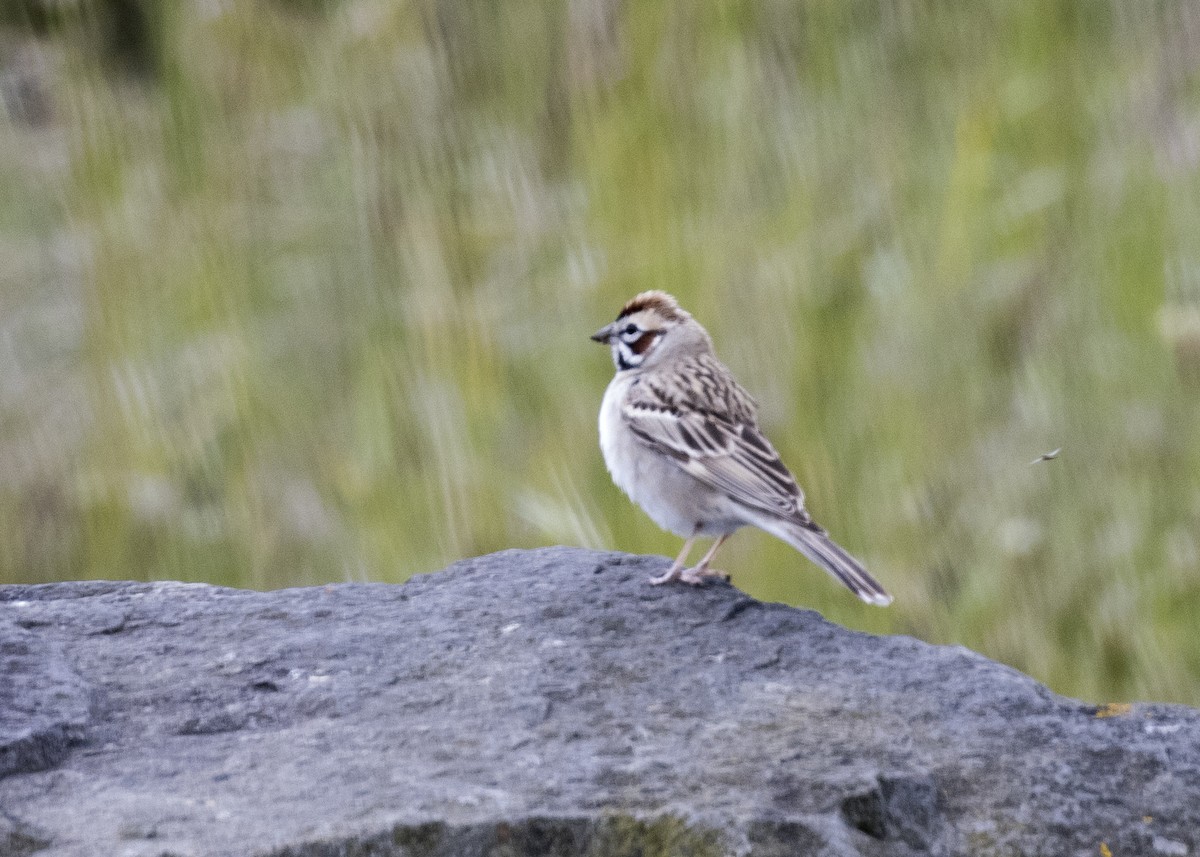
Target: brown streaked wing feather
<point>708,424</point>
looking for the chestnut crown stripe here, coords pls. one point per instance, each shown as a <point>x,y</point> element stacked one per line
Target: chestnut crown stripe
<point>660,302</point>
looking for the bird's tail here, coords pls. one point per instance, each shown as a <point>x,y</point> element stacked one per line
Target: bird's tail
<point>814,543</point>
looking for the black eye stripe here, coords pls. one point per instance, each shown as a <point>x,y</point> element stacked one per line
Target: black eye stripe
<point>632,344</point>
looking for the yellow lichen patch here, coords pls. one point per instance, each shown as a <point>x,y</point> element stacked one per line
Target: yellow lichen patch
<point>1113,709</point>
<point>1105,851</point>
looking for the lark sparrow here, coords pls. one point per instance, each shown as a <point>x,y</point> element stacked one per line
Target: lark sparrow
<point>681,438</point>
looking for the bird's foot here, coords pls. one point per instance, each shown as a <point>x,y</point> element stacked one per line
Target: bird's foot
<point>700,575</point>
<point>672,573</point>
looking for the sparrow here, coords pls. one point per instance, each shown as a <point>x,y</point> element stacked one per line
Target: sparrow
<point>681,437</point>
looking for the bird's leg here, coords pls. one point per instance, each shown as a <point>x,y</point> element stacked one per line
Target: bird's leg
<point>676,568</point>
<point>697,575</point>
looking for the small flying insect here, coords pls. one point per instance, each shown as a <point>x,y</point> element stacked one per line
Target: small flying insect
<point>1047,456</point>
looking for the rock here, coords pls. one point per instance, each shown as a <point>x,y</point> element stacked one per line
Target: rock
<point>548,702</point>
<point>43,702</point>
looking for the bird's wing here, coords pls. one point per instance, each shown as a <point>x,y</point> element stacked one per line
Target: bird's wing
<point>699,417</point>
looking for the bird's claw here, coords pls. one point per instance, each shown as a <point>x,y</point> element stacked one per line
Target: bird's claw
<point>697,576</point>
<point>666,577</point>
<point>701,576</point>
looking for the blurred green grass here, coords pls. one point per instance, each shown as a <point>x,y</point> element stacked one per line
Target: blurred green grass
<point>306,297</point>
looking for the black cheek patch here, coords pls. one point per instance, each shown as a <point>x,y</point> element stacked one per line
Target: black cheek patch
<point>642,344</point>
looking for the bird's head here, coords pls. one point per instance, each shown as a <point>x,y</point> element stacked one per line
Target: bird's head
<point>650,327</point>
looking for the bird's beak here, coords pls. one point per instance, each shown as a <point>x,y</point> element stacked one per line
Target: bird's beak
<point>604,334</point>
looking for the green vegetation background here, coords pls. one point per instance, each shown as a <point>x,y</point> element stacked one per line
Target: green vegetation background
<point>296,292</point>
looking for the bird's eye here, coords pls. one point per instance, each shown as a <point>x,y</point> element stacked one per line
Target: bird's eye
<point>630,329</point>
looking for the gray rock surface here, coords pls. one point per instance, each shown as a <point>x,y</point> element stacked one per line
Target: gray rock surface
<point>548,703</point>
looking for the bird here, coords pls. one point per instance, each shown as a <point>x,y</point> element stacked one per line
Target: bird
<point>681,438</point>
